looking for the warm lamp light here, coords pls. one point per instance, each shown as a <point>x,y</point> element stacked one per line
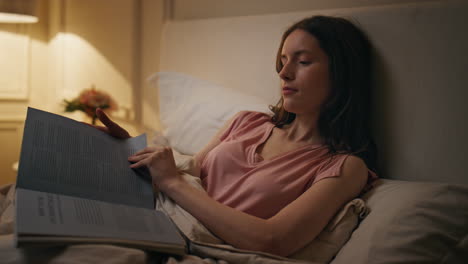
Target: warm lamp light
<point>18,11</point>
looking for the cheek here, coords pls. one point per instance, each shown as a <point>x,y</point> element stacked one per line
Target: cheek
<point>316,89</point>
<point>317,84</point>
<point>314,84</point>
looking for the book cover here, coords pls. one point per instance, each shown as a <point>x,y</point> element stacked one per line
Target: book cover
<point>75,185</point>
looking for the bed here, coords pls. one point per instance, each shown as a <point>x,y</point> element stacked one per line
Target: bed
<point>416,213</point>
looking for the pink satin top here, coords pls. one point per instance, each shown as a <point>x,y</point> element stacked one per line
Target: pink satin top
<point>235,175</point>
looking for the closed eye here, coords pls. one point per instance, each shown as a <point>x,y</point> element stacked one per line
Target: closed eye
<point>305,62</point>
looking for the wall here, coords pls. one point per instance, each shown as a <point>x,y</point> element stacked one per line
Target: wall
<point>76,44</point>
<point>95,43</point>
<point>114,47</point>
<point>189,9</point>
<point>153,15</point>
<point>23,63</point>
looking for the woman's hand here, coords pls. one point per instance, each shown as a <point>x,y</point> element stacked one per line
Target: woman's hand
<point>110,127</point>
<point>161,165</point>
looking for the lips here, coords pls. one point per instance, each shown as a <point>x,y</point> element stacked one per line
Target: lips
<point>289,90</point>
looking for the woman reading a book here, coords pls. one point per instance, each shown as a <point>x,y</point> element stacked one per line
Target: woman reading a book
<point>273,182</point>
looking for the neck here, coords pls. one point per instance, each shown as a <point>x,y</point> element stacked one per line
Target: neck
<point>304,128</point>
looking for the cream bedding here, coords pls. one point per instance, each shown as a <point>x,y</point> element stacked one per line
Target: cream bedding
<point>204,246</point>
<point>76,254</point>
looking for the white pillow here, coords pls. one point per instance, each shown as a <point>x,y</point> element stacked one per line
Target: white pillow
<point>193,110</point>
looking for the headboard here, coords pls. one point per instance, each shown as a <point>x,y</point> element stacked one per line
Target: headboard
<point>421,74</point>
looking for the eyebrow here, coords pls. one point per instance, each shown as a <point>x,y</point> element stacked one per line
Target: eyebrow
<point>298,52</point>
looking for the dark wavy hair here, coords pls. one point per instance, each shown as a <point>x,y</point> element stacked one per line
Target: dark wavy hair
<point>344,120</point>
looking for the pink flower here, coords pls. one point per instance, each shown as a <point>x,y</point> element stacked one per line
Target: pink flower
<point>89,100</point>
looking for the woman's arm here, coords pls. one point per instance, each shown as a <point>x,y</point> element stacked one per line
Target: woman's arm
<point>283,234</point>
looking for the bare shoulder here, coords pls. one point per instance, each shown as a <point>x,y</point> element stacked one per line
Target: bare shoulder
<point>354,172</point>
<point>354,167</point>
<point>352,179</point>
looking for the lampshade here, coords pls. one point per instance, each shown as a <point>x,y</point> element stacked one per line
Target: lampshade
<point>18,11</point>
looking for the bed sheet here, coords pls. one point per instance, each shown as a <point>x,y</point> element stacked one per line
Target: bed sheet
<point>76,254</point>
<point>204,250</point>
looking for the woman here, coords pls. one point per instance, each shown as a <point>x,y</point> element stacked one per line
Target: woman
<point>273,183</point>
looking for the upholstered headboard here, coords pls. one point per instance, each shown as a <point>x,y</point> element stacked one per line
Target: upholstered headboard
<point>420,79</point>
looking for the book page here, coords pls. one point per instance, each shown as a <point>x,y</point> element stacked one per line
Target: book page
<point>63,156</point>
<point>41,213</point>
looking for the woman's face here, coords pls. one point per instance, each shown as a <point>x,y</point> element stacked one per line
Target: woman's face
<point>304,77</point>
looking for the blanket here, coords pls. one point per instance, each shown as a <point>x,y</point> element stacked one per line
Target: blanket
<point>204,247</point>
<point>200,252</point>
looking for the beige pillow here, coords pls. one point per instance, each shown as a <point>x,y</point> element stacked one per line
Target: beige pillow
<point>411,222</point>
<point>327,244</point>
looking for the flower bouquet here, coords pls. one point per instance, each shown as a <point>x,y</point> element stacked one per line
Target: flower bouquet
<point>89,100</point>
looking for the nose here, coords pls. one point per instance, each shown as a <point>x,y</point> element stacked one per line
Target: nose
<point>287,72</point>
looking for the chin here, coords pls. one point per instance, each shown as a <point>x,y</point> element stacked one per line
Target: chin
<point>290,108</point>
<point>298,111</point>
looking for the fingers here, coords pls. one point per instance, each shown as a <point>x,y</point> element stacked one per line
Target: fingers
<point>146,155</point>
<point>145,161</point>
<point>104,118</point>
<point>146,150</point>
<point>154,149</point>
<point>113,128</point>
<point>139,157</point>
<point>102,128</point>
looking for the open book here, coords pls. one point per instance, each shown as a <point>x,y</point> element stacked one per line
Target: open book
<point>75,185</point>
